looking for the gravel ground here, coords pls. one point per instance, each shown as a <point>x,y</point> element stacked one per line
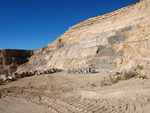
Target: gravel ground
<point>71,93</point>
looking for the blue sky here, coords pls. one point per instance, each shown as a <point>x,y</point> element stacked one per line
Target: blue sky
<point>32,24</point>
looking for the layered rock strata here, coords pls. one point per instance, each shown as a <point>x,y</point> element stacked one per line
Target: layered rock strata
<point>10,59</point>
<point>116,41</point>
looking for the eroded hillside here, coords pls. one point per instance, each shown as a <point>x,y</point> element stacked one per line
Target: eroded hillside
<point>118,40</point>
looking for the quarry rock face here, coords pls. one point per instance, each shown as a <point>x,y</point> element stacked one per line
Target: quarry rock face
<point>10,59</point>
<point>119,40</point>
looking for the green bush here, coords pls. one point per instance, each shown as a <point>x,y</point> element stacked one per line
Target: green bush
<point>117,73</point>
<point>129,75</point>
<point>142,76</point>
<point>93,85</point>
<point>105,84</point>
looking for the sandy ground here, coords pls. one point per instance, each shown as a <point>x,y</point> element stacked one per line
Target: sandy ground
<point>71,93</point>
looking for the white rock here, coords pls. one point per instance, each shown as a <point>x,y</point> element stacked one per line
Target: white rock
<point>3,77</point>
<point>10,77</point>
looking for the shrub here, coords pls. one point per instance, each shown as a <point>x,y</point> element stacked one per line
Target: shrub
<point>142,76</point>
<point>24,74</point>
<point>18,76</point>
<point>93,85</point>
<point>140,67</point>
<point>129,75</point>
<point>14,79</point>
<point>105,84</point>
<point>117,79</point>
<point>117,73</point>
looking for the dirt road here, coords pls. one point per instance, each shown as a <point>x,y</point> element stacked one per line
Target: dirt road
<point>71,93</point>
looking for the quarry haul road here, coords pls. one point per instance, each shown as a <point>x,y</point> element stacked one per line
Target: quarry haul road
<point>71,93</point>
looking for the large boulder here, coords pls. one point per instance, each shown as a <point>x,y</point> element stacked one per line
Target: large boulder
<point>3,77</point>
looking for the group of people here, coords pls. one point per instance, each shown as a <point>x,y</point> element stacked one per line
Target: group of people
<point>84,71</point>
<point>93,70</point>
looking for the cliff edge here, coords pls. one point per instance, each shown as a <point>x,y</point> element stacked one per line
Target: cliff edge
<point>10,59</point>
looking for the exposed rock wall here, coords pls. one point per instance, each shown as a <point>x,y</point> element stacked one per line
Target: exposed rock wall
<point>94,20</point>
<point>118,40</point>
<point>10,59</point>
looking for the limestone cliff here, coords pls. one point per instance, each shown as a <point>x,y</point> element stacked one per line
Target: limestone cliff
<point>10,59</point>
<point>117,40</point>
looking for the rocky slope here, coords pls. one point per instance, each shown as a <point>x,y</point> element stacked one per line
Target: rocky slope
<point>116,41</point>
<point>10,59</point>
